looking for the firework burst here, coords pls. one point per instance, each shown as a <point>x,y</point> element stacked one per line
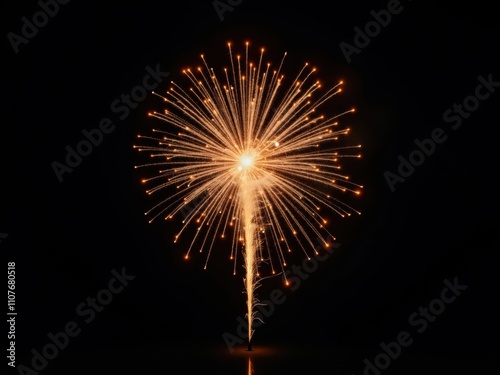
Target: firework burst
<point>258,159</point>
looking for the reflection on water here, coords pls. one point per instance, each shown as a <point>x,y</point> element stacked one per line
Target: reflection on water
<point>212,359</point>
<point>281,359</point>
<point>257,357</point>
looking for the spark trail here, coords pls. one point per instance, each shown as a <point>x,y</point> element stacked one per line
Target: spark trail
<point>262,159</point>
<point>248,202</point>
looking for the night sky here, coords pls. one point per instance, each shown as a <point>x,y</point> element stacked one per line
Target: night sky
<point>416,273</point>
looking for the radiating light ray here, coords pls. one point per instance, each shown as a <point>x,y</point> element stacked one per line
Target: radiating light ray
<point>262,158</point>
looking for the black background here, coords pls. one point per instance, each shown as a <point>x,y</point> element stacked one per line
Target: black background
<point>66,237</point>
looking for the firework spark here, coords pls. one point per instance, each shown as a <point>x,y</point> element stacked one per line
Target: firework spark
<point>260,156</point>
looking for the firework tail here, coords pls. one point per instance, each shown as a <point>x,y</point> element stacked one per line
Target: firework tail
<point>250,254</point>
